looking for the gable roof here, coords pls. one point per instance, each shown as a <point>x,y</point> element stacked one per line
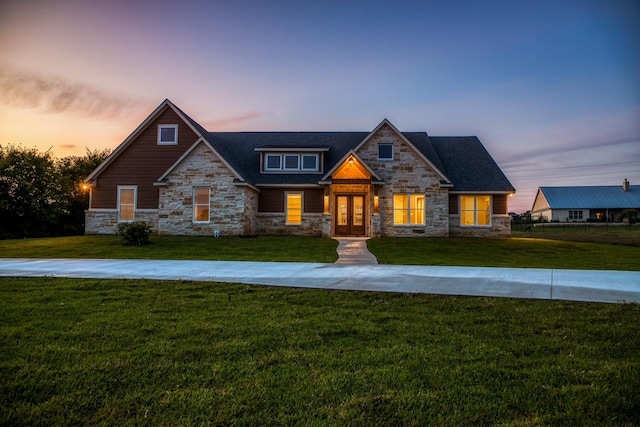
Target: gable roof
<point>592,197</point>
<point>409,143</point>
<point>469,165</point>
<point>344,159</point>
<point>195,127</point>
<point>190,150</point>
<point>462,163</point>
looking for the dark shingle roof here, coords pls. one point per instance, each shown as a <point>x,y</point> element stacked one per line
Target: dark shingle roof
<point>463,160</point>
<point>468,164</point>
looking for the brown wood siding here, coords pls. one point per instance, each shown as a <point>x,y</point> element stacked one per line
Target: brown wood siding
<point>314,200</point>
<point>272,199</point>
<point>500,204</point>
<point>141,163</point>
<point>453,204</point>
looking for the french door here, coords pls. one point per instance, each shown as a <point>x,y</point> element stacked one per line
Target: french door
<point>349,215</point>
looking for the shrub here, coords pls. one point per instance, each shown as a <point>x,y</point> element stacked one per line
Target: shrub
<point>631,215</point>
<point>134,233</point>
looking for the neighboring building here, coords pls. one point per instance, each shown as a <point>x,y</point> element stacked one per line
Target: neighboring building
<point>179,178</point>
<point>579,204</point>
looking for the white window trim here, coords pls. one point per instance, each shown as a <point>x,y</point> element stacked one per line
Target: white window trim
<point>135,201</point>
<point>408,209</point>
<point>386,159</point>
<point>475,211</point>
<point>174,142</point>
<point>193,216</point>
<point>284,169</point>
<point>266,162</point>
<point>315,169</point>
<point>286,207</point>
<point>284,162</point>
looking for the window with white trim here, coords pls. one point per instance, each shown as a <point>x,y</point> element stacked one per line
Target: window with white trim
<point>475,210</point>
<point>201,204</point>
<point>167,134</point>
<point>127,195</point>
<point>273,162</point>
<point>575,215</point>
<point>408,209</point>
<point>293,208</point>
<point>291,162</point>
<point>385,151</point>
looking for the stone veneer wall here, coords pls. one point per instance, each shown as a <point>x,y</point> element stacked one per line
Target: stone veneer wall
<point>105,221</point>
<point>227,204</point>
<point>500,227</point>
<point>406,173</point>
<point>273,223</point>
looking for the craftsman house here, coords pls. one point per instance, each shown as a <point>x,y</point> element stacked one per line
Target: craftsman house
<point>183,180</point>
<point>595,203</point>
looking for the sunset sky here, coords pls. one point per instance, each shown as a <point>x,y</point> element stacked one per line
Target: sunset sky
<point>552,88</point>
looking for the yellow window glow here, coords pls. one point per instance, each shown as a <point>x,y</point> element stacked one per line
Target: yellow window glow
<point>294,208</point>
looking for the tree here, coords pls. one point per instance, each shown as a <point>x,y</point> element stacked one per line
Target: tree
<point>40,195</point>
<point>74,169</point>
<point>30,192</point>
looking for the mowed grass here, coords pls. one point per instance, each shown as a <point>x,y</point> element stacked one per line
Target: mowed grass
<point>116,352</point>
<point>615,249</point>
<point>525,252</point>
<point>267,248</point>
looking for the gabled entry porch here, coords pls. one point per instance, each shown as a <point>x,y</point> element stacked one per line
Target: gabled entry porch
<point>351,190</point>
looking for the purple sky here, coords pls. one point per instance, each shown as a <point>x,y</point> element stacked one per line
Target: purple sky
<point>552,88</point>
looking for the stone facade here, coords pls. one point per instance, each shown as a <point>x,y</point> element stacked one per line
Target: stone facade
<point>227,203</point>
<point>500,227</point>
<point>407,173</point>
<point>274,223</point>
<point>105,221</point>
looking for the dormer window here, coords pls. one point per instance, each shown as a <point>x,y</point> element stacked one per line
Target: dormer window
<point>290,162</point>
<point>385,151</point>
<point>167,134</point>
<point>310,162</point>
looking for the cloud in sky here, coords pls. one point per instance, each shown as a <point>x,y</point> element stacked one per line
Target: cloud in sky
<point>219,124</point>
<point>55,95</point>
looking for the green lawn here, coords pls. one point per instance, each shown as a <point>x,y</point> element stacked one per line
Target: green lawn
<point>118,352</point>
<point>604,251</point>
<point>268,248</point>
<point>510,252</point>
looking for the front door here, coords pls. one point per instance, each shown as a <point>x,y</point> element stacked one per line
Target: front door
<point>349,215</point>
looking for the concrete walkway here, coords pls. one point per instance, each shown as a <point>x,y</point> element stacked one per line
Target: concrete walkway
<point>354,251</point>
<point>576,285</point>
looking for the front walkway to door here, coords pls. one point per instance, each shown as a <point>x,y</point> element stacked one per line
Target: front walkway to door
<point>353,250</point>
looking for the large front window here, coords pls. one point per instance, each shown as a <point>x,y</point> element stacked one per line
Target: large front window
<point>201,204</point>
<point>408,209</point>
<point>294,208</point>
<point>475,210</point>
<point>126,203</point>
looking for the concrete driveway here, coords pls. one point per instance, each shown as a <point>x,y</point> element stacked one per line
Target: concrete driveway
<point>575,285</point>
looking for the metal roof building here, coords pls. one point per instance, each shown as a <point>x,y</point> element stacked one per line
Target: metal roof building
<point>586,203</point>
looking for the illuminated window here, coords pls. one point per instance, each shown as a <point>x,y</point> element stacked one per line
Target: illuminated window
<point>167,134</point>
<point>201,204</point>
<point>126,203</point>
<point>293,208</point>
<point>385,151</point>
<point>408,209</point>
<point>475,210</point>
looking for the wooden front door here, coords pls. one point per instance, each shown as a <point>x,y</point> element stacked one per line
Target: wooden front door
<point>349,215</point>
